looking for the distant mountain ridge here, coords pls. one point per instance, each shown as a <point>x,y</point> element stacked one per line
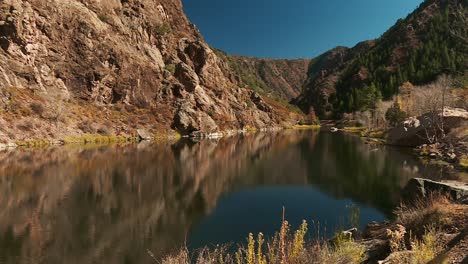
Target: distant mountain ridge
<point>416,49</point>
<point>281,79</point>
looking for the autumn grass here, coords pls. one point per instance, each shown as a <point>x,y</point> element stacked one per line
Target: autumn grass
<point>436,210</point>
<point>426,249</point>
<point>463,161</point>
<point>33,143</point>
<point>99,139</point>
<point>373,134</point>
<point>357,130</point>
<point>304,127</point>
<point>159,137</point>
<point>284,247</point>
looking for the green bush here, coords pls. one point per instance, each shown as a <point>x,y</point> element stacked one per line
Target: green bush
<point>162,29</point>
<point>395,115</point>
<point>170,68</point>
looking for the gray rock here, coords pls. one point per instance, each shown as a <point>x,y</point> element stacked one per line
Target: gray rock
<point>375,249</point>
<point>419,188</point>
<point>144,135</point>
<point>411,132</point>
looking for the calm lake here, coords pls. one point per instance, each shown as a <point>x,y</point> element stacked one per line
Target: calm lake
<point>113,204</point>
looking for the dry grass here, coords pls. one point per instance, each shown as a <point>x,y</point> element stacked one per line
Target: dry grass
<point>464,161</point>
<point>284,247</point>
<point>422,250</point>
<point>99,139</point>
<point>354,129</point>
<point>435,211</point>
<point>426,249</point>
<point>305,127</point>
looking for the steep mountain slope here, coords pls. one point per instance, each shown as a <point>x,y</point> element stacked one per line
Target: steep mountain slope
<point>69,67</point>
<point>282,79</point>
<point>416,49</point>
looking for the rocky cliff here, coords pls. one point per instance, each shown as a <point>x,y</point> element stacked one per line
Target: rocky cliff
<point>282,79</point>
<point>70,67</point>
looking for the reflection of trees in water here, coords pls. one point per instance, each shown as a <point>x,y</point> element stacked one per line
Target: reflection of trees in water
<point>345,167</point>
<point>111,204</point>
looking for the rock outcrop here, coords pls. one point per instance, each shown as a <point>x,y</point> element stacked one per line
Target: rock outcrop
<point>114,66</point>
<point>414,131</point>
<point>418,188</point>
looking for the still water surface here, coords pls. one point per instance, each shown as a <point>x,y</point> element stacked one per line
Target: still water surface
<point>112,204</point>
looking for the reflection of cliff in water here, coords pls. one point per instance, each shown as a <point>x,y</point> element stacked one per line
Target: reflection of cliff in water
<point>111,204</point>
<point>78,205</point>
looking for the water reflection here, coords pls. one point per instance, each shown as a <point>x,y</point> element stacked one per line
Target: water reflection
<point>112,204</point>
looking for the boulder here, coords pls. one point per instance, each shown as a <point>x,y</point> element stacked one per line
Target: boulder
<point>188,120</point>
<point>418,188</point>
<point>144,135</point>
<point>411,132</point>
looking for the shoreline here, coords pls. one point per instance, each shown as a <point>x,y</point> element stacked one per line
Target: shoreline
<point>141,135</point>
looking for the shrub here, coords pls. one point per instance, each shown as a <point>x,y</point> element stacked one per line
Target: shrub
<point>162,29</point>
<point>104,18</point>
<point>395,115</point>
<point>87,127</point>
<point>104,130</point>
<point>426,249</point>
<point>25,125</point>
<point>37,108</point>
<point>171,68</point>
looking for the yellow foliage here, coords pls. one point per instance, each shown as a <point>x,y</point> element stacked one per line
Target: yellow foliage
<point>251,249</point>
<point>464,161</point>
<point>305,127</point>
<point>426,249</point>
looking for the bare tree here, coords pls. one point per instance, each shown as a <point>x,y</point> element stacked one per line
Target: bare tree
<point>430,102</point>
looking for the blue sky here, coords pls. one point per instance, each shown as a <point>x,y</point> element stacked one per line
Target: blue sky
<point>294,28</point>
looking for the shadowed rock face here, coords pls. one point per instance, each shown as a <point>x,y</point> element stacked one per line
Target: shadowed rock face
<point>281,78</point>
<point>323,74</point>
<point>73,55</point>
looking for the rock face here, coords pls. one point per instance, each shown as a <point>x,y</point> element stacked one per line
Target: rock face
<point>420,188</point>
<point>281,78</point>
<point>115,65</point>
<point>323,74</point>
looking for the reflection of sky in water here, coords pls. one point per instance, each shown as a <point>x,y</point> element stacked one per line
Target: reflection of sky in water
<point>259,210</point>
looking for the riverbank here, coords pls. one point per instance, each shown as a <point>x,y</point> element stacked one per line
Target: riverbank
<point>140,135</point>
<point>430,229</point>
<point>450,153</point>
